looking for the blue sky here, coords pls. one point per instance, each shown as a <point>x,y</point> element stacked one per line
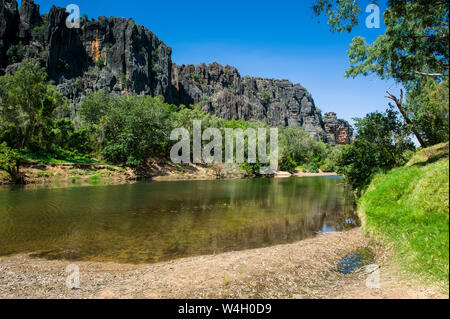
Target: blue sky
<point>274,39</point>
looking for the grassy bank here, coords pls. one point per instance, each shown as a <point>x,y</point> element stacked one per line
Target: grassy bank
<point>408,209</point>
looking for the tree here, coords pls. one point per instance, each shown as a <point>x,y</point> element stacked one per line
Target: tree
<point>300,146</point>
<point>414,47</point>
<point>10,161</point>
<point>95,106</point>
<point>27,104</point>
<point>428,107</point>
<point>136,129</point>
<point>331,158</point>
<point>399,103</point>
<point>381,144</point>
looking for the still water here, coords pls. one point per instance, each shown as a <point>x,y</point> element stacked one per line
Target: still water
<point>158,221</point>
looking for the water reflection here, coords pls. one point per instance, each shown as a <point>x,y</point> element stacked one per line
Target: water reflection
<point>151,222</point>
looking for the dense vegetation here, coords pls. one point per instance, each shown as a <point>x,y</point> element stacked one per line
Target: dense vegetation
<point>413,51</point>
<point>405,205</point>
<point>409,208</point>
<point>37,124</point>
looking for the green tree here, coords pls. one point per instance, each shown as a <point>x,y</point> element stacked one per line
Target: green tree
<point>27,105</point>
<point>428,108</point>
<point>300,146</point>
<point>95,106</point>
<point>10,161</point>
<point>381,143</point>
<point>415,43</point>
<point>330,162</point>
<point>136,129</point>
<point>414,47</point>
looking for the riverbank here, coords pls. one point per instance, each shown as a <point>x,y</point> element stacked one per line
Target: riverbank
<point>66,174</point>
<point>408,208</point>
<point>306,269</point>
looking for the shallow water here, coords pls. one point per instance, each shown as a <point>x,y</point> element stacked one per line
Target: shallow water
<point>157,221</point>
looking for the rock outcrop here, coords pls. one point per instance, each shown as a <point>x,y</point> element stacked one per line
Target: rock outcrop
<point>222,91</point>
<point>339,132</point>
<point>115,55</point>
<point>9,16</point>
<point>118,56</point>
<point>29,18</point>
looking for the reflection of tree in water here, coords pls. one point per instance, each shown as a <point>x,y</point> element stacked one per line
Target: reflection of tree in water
<point>161,221</point>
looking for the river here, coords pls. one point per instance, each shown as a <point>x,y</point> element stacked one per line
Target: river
<point>159,221</point>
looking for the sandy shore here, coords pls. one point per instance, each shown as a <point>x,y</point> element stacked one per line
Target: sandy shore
<point>322,174</point>
<point>306,269</point>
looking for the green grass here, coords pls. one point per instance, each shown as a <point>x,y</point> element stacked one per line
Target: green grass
<point>408,209</point>
<point>57,158</point>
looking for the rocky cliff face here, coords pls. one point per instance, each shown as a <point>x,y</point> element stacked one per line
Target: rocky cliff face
<point>115,55</point>
<point>222,91</point>
<point>119,56</point>
<point>338,131</point>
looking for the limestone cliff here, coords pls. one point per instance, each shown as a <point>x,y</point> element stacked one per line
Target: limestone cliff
<point>338,131</point>
<point>222,91</point>
<point>119,56</point>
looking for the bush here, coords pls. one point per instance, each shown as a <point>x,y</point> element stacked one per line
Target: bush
<point>10,162</point>
<point>287,164</point>
<point>266,97</point>
<point>66,137</point>
<point>312,168</point>
<point>381,144</point>
<point>38,32</point>
<point>100,64</point>
<point>15,53</point>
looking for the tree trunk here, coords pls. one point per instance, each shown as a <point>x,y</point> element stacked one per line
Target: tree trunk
<point>399,102</point>
<point>17,177</point>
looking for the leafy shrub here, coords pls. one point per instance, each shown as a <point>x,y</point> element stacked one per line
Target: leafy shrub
<point>38,32</point>
<point>15,53</point>
<point>287,164</point>
<point>100,64</point>
<point>312,168</point>
<point>266,97</point>
<point>382,140</point>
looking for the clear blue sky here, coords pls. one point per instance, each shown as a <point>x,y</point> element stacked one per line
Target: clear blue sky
<point>274,39</point>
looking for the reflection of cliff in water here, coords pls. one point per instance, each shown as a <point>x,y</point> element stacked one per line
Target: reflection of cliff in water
<point>151,222</point>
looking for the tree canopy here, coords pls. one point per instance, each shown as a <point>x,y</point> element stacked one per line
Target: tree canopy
<point>415,43</point>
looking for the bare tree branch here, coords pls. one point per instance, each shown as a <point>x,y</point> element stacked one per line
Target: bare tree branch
<point>398,102</point>
<point>431,74</point>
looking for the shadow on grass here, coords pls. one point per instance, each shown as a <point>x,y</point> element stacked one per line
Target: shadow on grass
<point>442,151</point>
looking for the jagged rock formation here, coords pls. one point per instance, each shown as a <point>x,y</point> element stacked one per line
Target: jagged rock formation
<point>119,56</point>
<point>222,91</point>
<point>339,132</point>
<point>115,54</point>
